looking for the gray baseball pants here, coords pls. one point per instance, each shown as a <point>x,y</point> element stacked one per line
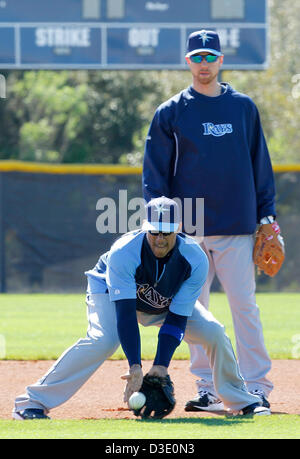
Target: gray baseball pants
<point>77,364</point>
<point>230,259</point>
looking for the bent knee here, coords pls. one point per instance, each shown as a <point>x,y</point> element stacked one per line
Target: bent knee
<point>212,332</point>
<point>101,343</point>
<point>215,333</point>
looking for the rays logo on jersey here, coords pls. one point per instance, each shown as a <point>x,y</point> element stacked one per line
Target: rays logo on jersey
<point>217,130</point>
<point>150,296</point>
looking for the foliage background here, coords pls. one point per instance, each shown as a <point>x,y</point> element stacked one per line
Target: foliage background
<point>103,116</point>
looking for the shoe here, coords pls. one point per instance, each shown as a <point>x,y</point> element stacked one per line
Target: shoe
<point>261,395</point>
<point>204,401</point>
<point>29,414</point>
<point>255,410</point>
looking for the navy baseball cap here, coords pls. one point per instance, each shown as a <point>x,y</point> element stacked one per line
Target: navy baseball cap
<point>162,215</point>
<point>203,40</point>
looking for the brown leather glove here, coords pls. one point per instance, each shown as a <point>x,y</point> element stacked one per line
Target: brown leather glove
<point>269,253</point>
<point>159,393</point>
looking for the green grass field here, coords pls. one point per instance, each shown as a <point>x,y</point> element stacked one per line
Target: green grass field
<point>36,326</point>
<point>264,427</point>
<point>42,326</point>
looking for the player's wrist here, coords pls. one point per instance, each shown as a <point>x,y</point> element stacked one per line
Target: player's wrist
<point>158,370</point>
<point>267,220</point>
<point>135,367</point>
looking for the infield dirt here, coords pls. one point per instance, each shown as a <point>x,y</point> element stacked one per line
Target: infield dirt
<point>102,394</point>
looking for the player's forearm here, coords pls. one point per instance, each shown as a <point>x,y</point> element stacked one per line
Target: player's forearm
<point>128,330</point>
<point>155,179</point>
<point>169,338</point>
<point>158,159</point>
<point>262,172</point>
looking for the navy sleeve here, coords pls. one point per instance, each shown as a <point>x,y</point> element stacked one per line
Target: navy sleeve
<point>263,172</point>
<point>158,158</point>
<point>169,338</point>
<point>128,330</point>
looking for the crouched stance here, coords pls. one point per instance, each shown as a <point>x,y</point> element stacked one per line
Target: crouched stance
<point>151,276</point>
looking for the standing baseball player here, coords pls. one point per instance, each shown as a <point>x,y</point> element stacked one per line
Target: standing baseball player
<point>151,276</point>
<point>207,142</point>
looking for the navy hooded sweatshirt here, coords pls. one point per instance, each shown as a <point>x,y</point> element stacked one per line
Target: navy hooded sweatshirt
<point>212,148</point>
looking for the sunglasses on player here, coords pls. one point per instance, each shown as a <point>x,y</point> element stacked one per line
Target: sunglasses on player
<point>156,233</point>
<point>209,58</point>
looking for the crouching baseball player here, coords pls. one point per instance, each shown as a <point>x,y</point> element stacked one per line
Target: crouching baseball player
<point>152,276</point>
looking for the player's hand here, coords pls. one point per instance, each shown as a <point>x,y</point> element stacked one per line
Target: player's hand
<point>134,380</point>
<point>158,370</point>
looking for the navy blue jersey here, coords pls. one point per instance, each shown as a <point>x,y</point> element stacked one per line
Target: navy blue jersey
<point>130,270</point>
<point>212,148</point>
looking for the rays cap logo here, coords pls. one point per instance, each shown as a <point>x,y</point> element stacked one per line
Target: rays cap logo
<point>162,215</point>
<point>203,41</point>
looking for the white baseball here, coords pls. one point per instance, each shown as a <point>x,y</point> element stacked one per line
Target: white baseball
<point>137,400</point>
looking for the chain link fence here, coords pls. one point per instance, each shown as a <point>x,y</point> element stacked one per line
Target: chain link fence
<point>49,236</point>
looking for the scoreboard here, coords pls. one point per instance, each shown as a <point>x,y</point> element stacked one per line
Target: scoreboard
<point>128,34</point>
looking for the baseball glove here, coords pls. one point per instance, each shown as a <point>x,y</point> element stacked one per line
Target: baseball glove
<point>159,393</point>
<point>268,252</point>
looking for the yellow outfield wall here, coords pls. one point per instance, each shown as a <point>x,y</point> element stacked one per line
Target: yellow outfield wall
<point>96,169</point>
